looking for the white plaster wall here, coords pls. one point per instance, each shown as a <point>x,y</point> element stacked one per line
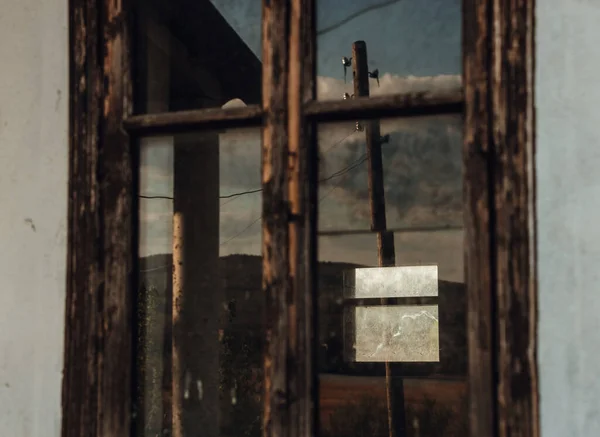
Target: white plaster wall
<point>33,207</point>
<point>568,184</point>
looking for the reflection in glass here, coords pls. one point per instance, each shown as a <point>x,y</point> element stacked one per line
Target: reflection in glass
<point>193,54</point>
<point>412,45</point>
<point>392,333</point>
<point>432,347</point>
<point>390,282</point>
<point>420,330</point>
<point>422,173</point>
<point>200,301</point>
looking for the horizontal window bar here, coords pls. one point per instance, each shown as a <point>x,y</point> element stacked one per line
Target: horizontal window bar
<point>392,301</point>
<point>187,121</point>
<point>404,230</point>
<point>414,104</point>
<point>411,370</point>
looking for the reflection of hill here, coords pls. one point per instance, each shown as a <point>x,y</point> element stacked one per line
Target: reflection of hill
<point>242,336</point>
<point>243,305</point>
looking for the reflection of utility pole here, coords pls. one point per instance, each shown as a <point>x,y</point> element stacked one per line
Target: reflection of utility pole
<point>197,296</point>
<point>385,239</point>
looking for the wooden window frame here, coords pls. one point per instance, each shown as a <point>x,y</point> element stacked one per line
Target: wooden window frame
<point>499,211</point>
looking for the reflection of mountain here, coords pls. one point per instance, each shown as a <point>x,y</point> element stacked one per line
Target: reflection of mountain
<point>243,310</point>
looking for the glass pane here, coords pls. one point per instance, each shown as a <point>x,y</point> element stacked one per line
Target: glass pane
<point>410,45</point>
<point>200,301</point>
<point>414,334</point>
<point>420,329</point>
<point>422,173</point>
<point>193,54</point>
<point>426,344</point>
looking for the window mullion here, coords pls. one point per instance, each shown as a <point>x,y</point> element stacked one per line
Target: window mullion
<point>277,286</point>
<point>96,395</point>
<point>303,167</point>
<point>169,123</point>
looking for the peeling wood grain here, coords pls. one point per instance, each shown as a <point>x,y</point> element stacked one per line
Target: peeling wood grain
<point>499,210</point>
<point>478,226</point>
<point>96,384</point>
<point>186,121</point>
<point>302,161</point>
<point>410,104</point>
<point>499,216</point>
<point>514,198</point>
<point>279,358</point>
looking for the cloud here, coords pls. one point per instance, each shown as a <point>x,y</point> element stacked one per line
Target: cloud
<point>422,168</point>
<point>422,175</point>
<point>329,88</point>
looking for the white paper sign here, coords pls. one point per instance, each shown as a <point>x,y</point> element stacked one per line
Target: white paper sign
<point>393,333</point>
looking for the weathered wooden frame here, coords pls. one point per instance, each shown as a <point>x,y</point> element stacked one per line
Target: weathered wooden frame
<point>499,191</point>
<point>399,105</point>
<point>96,383</point>
<point>497,101</point>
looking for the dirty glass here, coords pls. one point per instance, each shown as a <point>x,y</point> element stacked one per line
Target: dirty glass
<point>410,316</point>
<point>422,173</point>
<point>199,303</point>
<point>411,45</point>
<point>193,54</point>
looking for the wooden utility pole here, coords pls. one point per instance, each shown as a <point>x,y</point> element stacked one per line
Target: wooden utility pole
<point>385,239</point>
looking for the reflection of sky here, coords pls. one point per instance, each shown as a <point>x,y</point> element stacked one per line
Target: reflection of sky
<point>433,172</point>
<point>406,37</point>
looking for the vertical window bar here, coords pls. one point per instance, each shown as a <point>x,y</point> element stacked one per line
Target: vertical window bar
<point>279,358</point>
<point>96,395</point>
<point>303,167</point>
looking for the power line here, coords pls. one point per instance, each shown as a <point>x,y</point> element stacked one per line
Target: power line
<point>335,187</point>
<point>356,14</point>
<point>340,142</point>
<point>155,269</point>
<point>234,196</point>
<point>170,198</point>
<point>343,171</point>
<point>141,196</point>
<point>399,230</point>
<point>241,193</point>
<point>242,231</point>
<point>336,174</point>
<point>229,201</point>
<point>253,191</point>
<point>258,190</point>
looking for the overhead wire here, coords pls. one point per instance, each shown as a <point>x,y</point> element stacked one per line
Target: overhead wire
<point>234,196</point>
<point>336,174</point>
<point>246,192</point>
<point>355,15</point>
